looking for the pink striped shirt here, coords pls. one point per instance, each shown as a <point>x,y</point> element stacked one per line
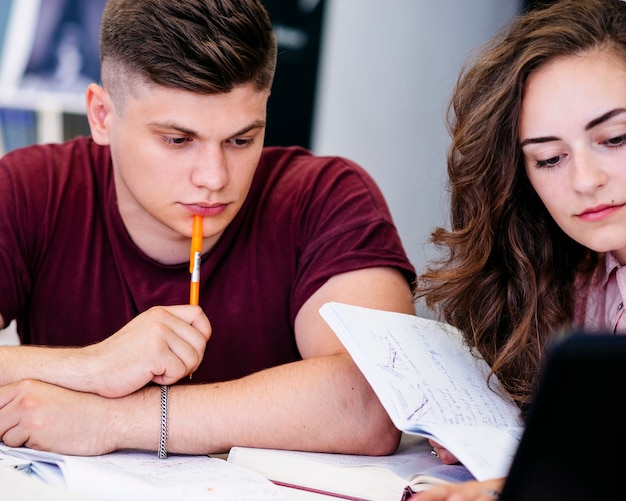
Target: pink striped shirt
<point>601,304</point>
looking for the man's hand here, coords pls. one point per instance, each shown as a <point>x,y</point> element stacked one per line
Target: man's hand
<point>161,345</point>
<point>47,417</point>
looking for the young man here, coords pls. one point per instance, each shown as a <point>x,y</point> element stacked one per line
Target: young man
<point>95,243</point>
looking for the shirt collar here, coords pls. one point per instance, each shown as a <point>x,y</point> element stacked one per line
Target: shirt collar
<point>610,263</point>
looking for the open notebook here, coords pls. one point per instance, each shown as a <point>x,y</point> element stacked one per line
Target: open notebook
<point>574,444</point>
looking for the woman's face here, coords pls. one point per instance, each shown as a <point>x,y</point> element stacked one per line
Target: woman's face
<point>573,138</point>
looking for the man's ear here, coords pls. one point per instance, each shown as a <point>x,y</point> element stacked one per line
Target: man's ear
<point>99,107</point>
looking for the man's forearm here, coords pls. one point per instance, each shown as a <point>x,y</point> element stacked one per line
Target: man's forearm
<point>161,344</point>
<point>319,404</point>
<point>52,365</point>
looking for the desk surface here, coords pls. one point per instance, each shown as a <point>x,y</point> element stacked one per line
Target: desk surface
<point>8,336</point>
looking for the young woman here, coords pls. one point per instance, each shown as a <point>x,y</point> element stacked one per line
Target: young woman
<point>537,174</point>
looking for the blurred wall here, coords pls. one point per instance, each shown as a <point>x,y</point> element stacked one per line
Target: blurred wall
<point>386,72</point>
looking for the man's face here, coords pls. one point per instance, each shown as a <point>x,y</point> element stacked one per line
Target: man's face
<point>178,153</point>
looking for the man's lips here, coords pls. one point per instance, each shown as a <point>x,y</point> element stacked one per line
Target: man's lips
<point>205,210</point>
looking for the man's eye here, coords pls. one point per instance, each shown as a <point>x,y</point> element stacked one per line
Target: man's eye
<point>239,141</point>
<point>175,141</point>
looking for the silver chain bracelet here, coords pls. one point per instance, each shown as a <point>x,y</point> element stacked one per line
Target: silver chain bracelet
<point>165,391</point>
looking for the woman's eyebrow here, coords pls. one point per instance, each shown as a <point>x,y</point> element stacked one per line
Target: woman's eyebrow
<point>603,118</point>
<point>538,140</point>
<point>593,123</point>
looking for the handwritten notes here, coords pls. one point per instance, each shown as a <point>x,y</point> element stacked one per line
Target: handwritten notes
<point>431,384</point>
<point>135,475</point>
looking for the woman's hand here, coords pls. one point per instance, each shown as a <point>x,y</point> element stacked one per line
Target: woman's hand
<point>488,490</point>
<point>443,453</point>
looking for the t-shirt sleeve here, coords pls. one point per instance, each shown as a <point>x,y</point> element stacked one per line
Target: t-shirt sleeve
<point>347,226</point>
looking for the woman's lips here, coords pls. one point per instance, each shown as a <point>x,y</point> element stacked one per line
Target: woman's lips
<point>599,212</point>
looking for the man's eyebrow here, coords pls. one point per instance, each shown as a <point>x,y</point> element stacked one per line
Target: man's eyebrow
<point>593,123</point>
<point>257,124</point>
<point>173,126</point>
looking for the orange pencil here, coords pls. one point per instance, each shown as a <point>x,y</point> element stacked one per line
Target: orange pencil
<point>195,256</point>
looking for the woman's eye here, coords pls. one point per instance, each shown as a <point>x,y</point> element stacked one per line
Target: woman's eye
<point>616,141</point>
<point>550,162</point>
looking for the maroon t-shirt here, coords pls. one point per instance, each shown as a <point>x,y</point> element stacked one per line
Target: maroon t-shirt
<point>72,276</point>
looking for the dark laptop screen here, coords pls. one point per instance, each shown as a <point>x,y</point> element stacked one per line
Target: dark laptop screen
<point>574,444</point>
